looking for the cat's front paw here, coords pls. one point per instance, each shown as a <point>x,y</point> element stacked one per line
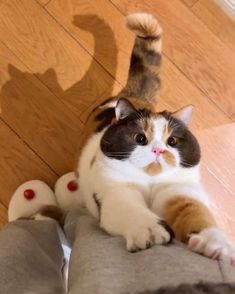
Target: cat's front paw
<point>214,244</point>
<point>146,232</point>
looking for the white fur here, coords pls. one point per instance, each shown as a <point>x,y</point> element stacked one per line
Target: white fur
<point>132,201</point>
<point>213,243</point>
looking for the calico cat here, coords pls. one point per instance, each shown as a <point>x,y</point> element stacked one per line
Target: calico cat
<point>138,169</point>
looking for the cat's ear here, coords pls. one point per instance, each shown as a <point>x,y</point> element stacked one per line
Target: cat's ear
<point>184,114</point>
<point>124,108</point>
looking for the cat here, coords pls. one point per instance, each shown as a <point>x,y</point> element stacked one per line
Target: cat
<point>138,169</point>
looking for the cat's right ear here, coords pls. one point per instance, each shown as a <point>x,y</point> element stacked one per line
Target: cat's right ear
<point>124,108</point>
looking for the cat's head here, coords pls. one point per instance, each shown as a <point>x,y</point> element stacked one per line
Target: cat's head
<point>151,141</point>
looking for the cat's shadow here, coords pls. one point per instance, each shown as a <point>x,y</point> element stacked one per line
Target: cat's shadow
<point>22,89</point>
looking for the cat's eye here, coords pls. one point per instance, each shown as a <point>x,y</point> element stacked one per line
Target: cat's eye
<point>172,141</point>
<point>141,139</point>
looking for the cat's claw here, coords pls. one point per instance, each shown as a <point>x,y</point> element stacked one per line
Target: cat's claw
<point>214,244</point>
<point>144,235</point>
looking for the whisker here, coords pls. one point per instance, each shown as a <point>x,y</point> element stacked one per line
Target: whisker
<point>107,142</point>
<point>139,114</point>
<point>185,163</point>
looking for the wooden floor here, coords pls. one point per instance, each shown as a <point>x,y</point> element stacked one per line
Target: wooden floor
<point>59,57</point>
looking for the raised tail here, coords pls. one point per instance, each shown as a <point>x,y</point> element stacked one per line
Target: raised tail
<point>143,80</point>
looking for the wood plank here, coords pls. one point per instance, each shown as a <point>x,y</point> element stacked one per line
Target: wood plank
<point>189,3</point>
<point>97,28</point>
<point>40,42</point>
<point>19,164</point>
<point>43,2</point>
<point>111,92</point>
<point>218,173</point>
<point>36,115</point>
<point>218,149</point>
<point>217,21</point>
<point>176,91</point>
<point>193,48</point>
<point>3,216</point>
<point>222,202</point>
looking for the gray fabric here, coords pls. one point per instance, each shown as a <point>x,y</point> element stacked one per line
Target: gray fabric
<point>101,264</point>
<point>200,288</point>
<point>30,258</point>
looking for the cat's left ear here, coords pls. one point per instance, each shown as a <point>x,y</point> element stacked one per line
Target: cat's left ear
<point>184,114</point>
<point>124,108</point>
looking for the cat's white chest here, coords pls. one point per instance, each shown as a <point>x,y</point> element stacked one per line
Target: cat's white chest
<point>99,173</point>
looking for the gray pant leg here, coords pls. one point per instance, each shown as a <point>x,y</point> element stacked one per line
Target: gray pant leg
<point>31,258</point>
<point>101,264</point>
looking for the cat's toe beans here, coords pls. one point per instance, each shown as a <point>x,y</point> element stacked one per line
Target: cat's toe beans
<point>193,242</point>
<point>197,243</point>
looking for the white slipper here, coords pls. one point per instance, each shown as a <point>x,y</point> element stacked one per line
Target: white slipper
<point>67,193</point>
<point>29,199</point>
<point>35,200</point>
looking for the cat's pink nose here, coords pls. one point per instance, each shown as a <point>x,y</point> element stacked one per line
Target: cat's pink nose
<point>157,151</point>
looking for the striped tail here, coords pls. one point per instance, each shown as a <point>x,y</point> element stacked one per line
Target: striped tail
<point>143,80</point>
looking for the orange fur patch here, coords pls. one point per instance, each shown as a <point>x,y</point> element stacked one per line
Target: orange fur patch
<point>186,216</point>
<point>169,158</point>
<point>153,169</point>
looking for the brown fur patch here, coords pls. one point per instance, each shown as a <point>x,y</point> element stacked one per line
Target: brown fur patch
<point>153,169</point>
<point>143,80</point>
<point>169,158</point>
<point>187,144</point>
<point>53,212</point>
<point>186,216</point>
